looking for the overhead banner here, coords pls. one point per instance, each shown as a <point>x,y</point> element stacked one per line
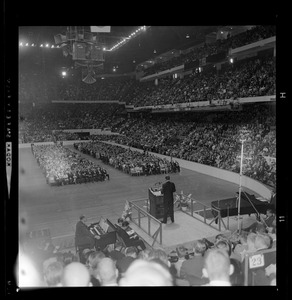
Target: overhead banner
<point>100,28</point>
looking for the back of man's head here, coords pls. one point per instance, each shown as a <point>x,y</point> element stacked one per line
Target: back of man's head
<point>53,273</point>
<point>131,251</point>
<point>225,245</point>
<point>200,247</point>
<point>217,265</point>
<point>250,240</point>
<point>160,255</point>
<point>107,272</point>
<point>82,218</point>
<point>76,274</point>
<point>94,259</point>
<point>146,273</point>
<point>262,241</point>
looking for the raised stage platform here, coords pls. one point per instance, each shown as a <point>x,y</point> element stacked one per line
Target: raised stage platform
<point>186,230</point>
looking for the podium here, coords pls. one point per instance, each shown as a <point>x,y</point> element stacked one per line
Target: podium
<point>156,203</point>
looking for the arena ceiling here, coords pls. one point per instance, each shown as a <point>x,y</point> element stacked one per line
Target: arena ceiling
<point>154,43</point>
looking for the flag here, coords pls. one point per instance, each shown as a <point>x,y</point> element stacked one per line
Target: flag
<point>100,28</point>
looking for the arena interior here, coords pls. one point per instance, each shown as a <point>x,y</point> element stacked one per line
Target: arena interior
<point>106,112</point>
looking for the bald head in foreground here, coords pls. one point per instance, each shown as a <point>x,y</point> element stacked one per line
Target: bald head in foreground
<point>146,273</point>
<point>217,267</point>
<point>76,274</point>
<point>107,272</point>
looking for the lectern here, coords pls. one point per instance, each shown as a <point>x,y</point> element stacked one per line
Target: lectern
<point>156,203</point>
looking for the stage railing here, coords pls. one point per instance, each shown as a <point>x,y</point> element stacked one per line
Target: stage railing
<point>144,214</point>
<point>199,210</point>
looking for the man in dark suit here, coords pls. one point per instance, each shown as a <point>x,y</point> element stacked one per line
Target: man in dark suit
<point>83,237</point>
<point>129,240</point>
<point>168,188</point>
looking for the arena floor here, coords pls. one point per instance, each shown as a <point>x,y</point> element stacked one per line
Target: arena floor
<point>58,208</point>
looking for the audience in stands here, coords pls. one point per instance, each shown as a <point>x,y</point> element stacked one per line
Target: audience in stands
<point>247,78</point>
<point>216,144</point>
<point>47,121</point>
<point>255,34</point>
<point>62,166</point>
<point>126,160</point>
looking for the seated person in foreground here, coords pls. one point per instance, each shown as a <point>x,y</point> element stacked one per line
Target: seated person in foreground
<point>265,224</point>
<point>129,240</point>
<point>191,269</point>
<point>146,273</point>
<point>122,264</point>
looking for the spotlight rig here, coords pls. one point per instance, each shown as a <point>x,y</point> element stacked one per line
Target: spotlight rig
<point>86,49</point>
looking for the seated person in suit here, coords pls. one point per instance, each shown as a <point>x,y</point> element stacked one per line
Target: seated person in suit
<point>123,263</point>
<point>92,263</point>
<point>83,236</point>
<point>128,240</point>
<point>264,224</point>
<point>236,278</point>
<point>258,276</point>
<point>191,269</point>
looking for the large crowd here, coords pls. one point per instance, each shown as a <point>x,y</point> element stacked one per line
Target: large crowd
<point>62,166</point>
<point>217,261</point>
<point>248,78</point>
<point>215,143</point>
<point>247,37</point>
<point>208,138</point>
<point>106,89</point>
<point>192,137</point>
<point>38,123</point>
<point>127,160</point>
<point>227,83</point>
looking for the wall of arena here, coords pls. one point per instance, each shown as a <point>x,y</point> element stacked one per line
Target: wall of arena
<point>246,182</point>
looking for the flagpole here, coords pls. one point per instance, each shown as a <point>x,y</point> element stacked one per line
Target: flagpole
<point>239,194</point>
